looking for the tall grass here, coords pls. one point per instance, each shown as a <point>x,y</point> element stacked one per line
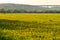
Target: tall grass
<point>30,27</point>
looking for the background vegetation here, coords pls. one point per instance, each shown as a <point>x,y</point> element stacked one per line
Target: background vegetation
<point>2,10</point>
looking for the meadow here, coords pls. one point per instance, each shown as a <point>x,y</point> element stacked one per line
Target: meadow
<point>30,26</point>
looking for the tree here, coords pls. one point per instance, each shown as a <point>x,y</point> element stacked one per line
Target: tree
<point>2,10</point>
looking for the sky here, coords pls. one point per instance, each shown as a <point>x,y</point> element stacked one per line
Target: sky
<point>33,2</point>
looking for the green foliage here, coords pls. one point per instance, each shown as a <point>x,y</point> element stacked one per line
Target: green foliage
<point>2,10</point>
<point>22,30</point>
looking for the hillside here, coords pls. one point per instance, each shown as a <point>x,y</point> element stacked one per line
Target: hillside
<point>29,7</point>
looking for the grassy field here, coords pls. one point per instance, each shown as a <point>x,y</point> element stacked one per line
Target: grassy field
<point>29,26</point>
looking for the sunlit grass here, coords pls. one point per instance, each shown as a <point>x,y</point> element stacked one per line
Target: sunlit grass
<point>47,27</point>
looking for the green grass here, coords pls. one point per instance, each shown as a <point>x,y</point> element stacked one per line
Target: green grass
<point>29,27</point>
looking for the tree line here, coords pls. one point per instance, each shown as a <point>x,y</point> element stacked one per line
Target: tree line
<point>25,11</point>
